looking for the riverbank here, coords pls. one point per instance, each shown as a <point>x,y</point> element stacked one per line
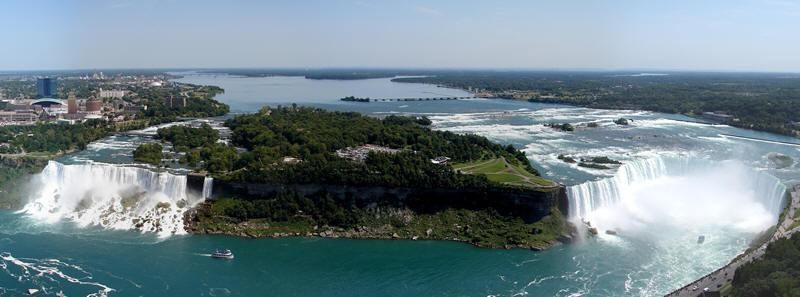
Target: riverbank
<point>720,279</point>
<point>478,228</point>
<point>758,102</point>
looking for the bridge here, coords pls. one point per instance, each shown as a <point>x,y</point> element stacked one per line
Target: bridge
<point>405,99</point>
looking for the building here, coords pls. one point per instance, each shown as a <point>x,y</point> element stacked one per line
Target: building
<point>46,87</point>
<point>134,108</point>
<point>93,106</point>
<point>360,153</point>
<point>441,160</point>
<point>718,116</point>
<point>112,93</point>
<point>27,116</point>
<point>72,104</point>
<point>173,102</point>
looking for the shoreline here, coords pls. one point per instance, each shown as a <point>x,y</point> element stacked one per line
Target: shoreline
<point>432,230</point>
<point>608,108</point>
<point>344,235</point>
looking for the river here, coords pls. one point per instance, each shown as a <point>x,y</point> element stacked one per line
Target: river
<point>680,179</point>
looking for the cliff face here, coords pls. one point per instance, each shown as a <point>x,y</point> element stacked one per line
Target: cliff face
<point>530,205</point>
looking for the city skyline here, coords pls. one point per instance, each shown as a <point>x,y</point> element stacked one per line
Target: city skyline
<point>737,35</point>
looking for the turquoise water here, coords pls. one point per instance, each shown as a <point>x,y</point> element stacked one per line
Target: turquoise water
<point>133,264</point>
<point>650,261</point>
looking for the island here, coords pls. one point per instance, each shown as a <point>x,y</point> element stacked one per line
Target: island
<point>354,99</point>
<point>301,171</point>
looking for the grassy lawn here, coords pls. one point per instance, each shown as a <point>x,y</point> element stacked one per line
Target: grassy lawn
<point>499,170</point>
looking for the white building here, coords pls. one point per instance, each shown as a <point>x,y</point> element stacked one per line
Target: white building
<point>112,93</point>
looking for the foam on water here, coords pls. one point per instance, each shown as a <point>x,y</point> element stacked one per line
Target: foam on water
<point>111,196</point>
<point>681,192</point>
<point>46,274</point>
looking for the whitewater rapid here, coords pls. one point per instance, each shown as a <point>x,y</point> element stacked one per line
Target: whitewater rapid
<point>679,192</point>
<point>112,197</point>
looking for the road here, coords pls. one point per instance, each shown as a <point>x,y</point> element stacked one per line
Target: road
<point>717,279</point>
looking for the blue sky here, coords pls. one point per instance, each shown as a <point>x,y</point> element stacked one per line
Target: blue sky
<point>565,34</point>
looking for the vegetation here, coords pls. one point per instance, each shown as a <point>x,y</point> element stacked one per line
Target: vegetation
<point>604,160</point>
<point>355,99</point>
<point>593,165</point>
<point>149,153</point>
<point>567,159</point>
<point>13,173</point>
<point>566,127</point>
<point>184,138</point>
<point>333,74</point>
<point>312,135</point>
<point>767,102</point>
<point>500,171</point>
<point>347,76</point>
<point>621,122</point>
<point>51,138</point>
<point>200,102</point>
<point>777,273</point>
<point>294,215</point>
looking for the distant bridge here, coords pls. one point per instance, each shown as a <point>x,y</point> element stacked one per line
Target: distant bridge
<point>407,99</point>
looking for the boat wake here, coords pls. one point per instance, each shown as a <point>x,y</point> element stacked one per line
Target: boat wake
<point>46,275</point>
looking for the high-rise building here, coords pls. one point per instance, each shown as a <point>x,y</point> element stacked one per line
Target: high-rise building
<point>175,102</point>
<point>72,104</point>
<point>46,87</point>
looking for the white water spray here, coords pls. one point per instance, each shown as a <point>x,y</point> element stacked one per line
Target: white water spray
<point>114,197</point>
<point>680,193</point>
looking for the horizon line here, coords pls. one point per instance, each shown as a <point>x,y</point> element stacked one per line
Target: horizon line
<point>390,68</point>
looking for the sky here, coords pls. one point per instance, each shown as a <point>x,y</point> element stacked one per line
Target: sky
<point>729,35</point>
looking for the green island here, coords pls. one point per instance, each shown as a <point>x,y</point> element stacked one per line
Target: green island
<point>759,101</point>
<point>354,99</point>
<point>300,171</point>
<point>149,153</point>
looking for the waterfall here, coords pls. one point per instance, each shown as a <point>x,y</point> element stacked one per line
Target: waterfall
<point>114,197</point>
<point>683,189</point>
<point>208,185</point>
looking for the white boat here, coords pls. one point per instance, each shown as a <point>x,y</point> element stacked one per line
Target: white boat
<point>222,254</point>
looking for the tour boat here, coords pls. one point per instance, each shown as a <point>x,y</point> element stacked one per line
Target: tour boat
<point>222,254</point>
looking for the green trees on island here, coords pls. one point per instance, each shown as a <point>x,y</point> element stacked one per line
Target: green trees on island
<point>150,153</point>
<point>313,135</point>
<point>185,138</point>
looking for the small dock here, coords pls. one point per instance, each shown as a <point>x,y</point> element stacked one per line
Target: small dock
<point>405,99</point>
